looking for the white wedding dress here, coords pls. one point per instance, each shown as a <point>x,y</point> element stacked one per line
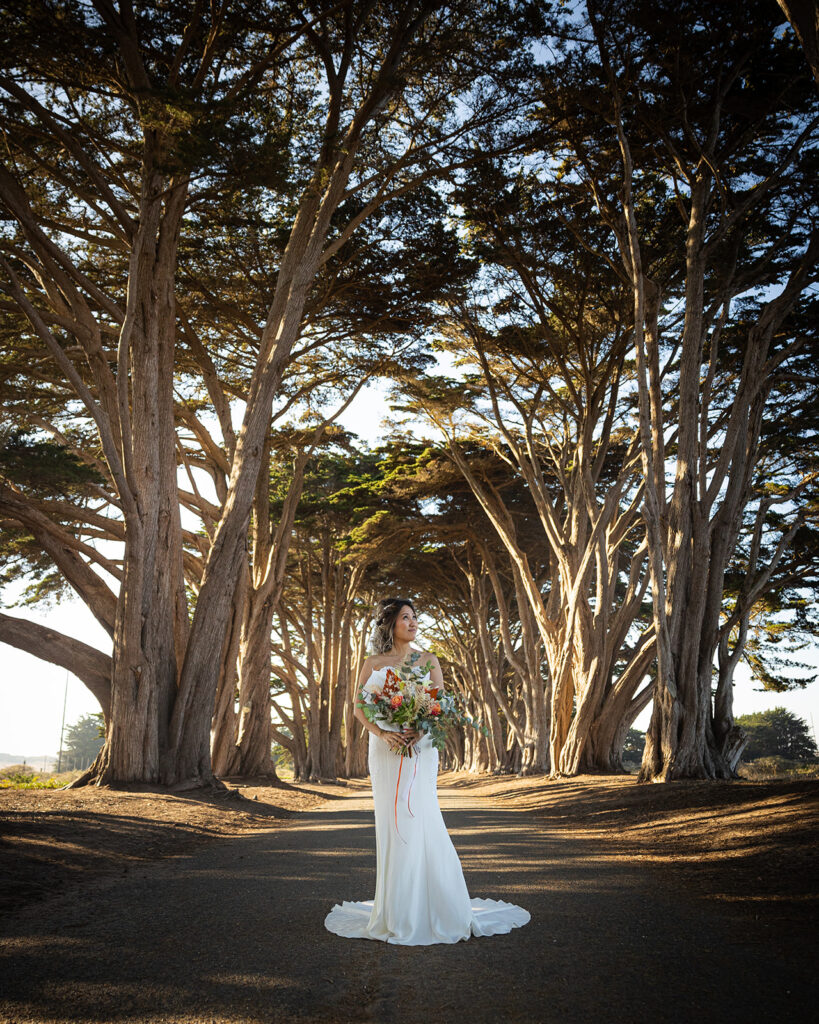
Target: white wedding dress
<point>420,893</point>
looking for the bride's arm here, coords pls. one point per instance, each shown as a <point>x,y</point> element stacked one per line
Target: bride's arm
<point>390,738</point>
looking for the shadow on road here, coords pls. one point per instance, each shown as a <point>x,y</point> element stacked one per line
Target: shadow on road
<point>233,931</point>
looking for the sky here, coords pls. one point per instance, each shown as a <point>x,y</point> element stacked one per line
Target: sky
<point>32,691</point>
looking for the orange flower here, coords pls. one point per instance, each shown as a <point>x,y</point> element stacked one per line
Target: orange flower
<point>433,691</point>
<point>435,709</point>
<point>398,700</point>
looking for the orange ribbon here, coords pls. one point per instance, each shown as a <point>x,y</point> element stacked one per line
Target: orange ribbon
<point>409,794</point>
<point>398,783</point>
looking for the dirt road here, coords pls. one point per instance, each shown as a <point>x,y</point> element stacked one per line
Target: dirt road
<point>233,931</point>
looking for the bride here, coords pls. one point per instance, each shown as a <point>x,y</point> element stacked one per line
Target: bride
<point>420,893</point>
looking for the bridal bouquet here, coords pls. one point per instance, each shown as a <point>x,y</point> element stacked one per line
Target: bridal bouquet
<point>403,698</point>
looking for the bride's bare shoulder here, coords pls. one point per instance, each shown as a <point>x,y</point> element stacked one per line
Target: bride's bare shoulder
<point>368,665</point>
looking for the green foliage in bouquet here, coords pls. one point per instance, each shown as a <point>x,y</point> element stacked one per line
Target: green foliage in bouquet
<point>404,699</point>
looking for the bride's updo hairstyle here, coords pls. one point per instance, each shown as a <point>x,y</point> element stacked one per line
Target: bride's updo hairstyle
<point>384,617</point>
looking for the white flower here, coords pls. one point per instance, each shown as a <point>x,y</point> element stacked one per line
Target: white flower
<point>372,690</point>
<point>423,702</point>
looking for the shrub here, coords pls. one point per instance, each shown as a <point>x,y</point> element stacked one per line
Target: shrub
<point>777,767</point>
<point>28,780</point>
<point>15,770</point>
<point>776,732</point>
<point>21,776</point>
<point>282,758</point>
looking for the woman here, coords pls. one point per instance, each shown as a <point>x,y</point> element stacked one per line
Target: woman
<point>420,893</point>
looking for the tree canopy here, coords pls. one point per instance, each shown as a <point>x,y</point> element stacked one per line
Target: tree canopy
<point>580,243</point>
<point>82,741</point>
<point>777,733</point>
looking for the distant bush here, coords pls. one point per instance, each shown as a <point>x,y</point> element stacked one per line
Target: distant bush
<point>28,780</point>
<point>16,769</point>
<point>83,740</point>
<point>778,767</point>
<point>22,776</point>
<point>633,747</point>
<point>776,733</point>
<point>282,758</point>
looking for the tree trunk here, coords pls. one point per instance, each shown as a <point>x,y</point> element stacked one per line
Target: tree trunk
<point>225,718</point>
<point>251,751</point>
<point>248,752</point>
<point>151,623</point>
<point>356,737</point>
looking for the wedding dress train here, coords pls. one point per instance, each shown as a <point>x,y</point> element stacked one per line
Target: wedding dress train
<point>421,897</point>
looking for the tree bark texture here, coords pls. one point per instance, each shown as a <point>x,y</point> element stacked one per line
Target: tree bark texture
<point>248,752</point>
<point>692,526</point>
<point>314,658</point>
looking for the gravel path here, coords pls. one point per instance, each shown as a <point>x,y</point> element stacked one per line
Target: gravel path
<point>233,931</point>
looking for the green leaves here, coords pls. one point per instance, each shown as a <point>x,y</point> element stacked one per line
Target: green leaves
<point>776,732</point>
<point>43,467</point>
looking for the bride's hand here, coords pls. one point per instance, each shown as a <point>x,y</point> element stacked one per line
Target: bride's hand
<point>410,735</point>
<point>394,740</point>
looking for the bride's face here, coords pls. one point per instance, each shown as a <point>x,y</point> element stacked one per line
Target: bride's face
<point>406,625</point>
